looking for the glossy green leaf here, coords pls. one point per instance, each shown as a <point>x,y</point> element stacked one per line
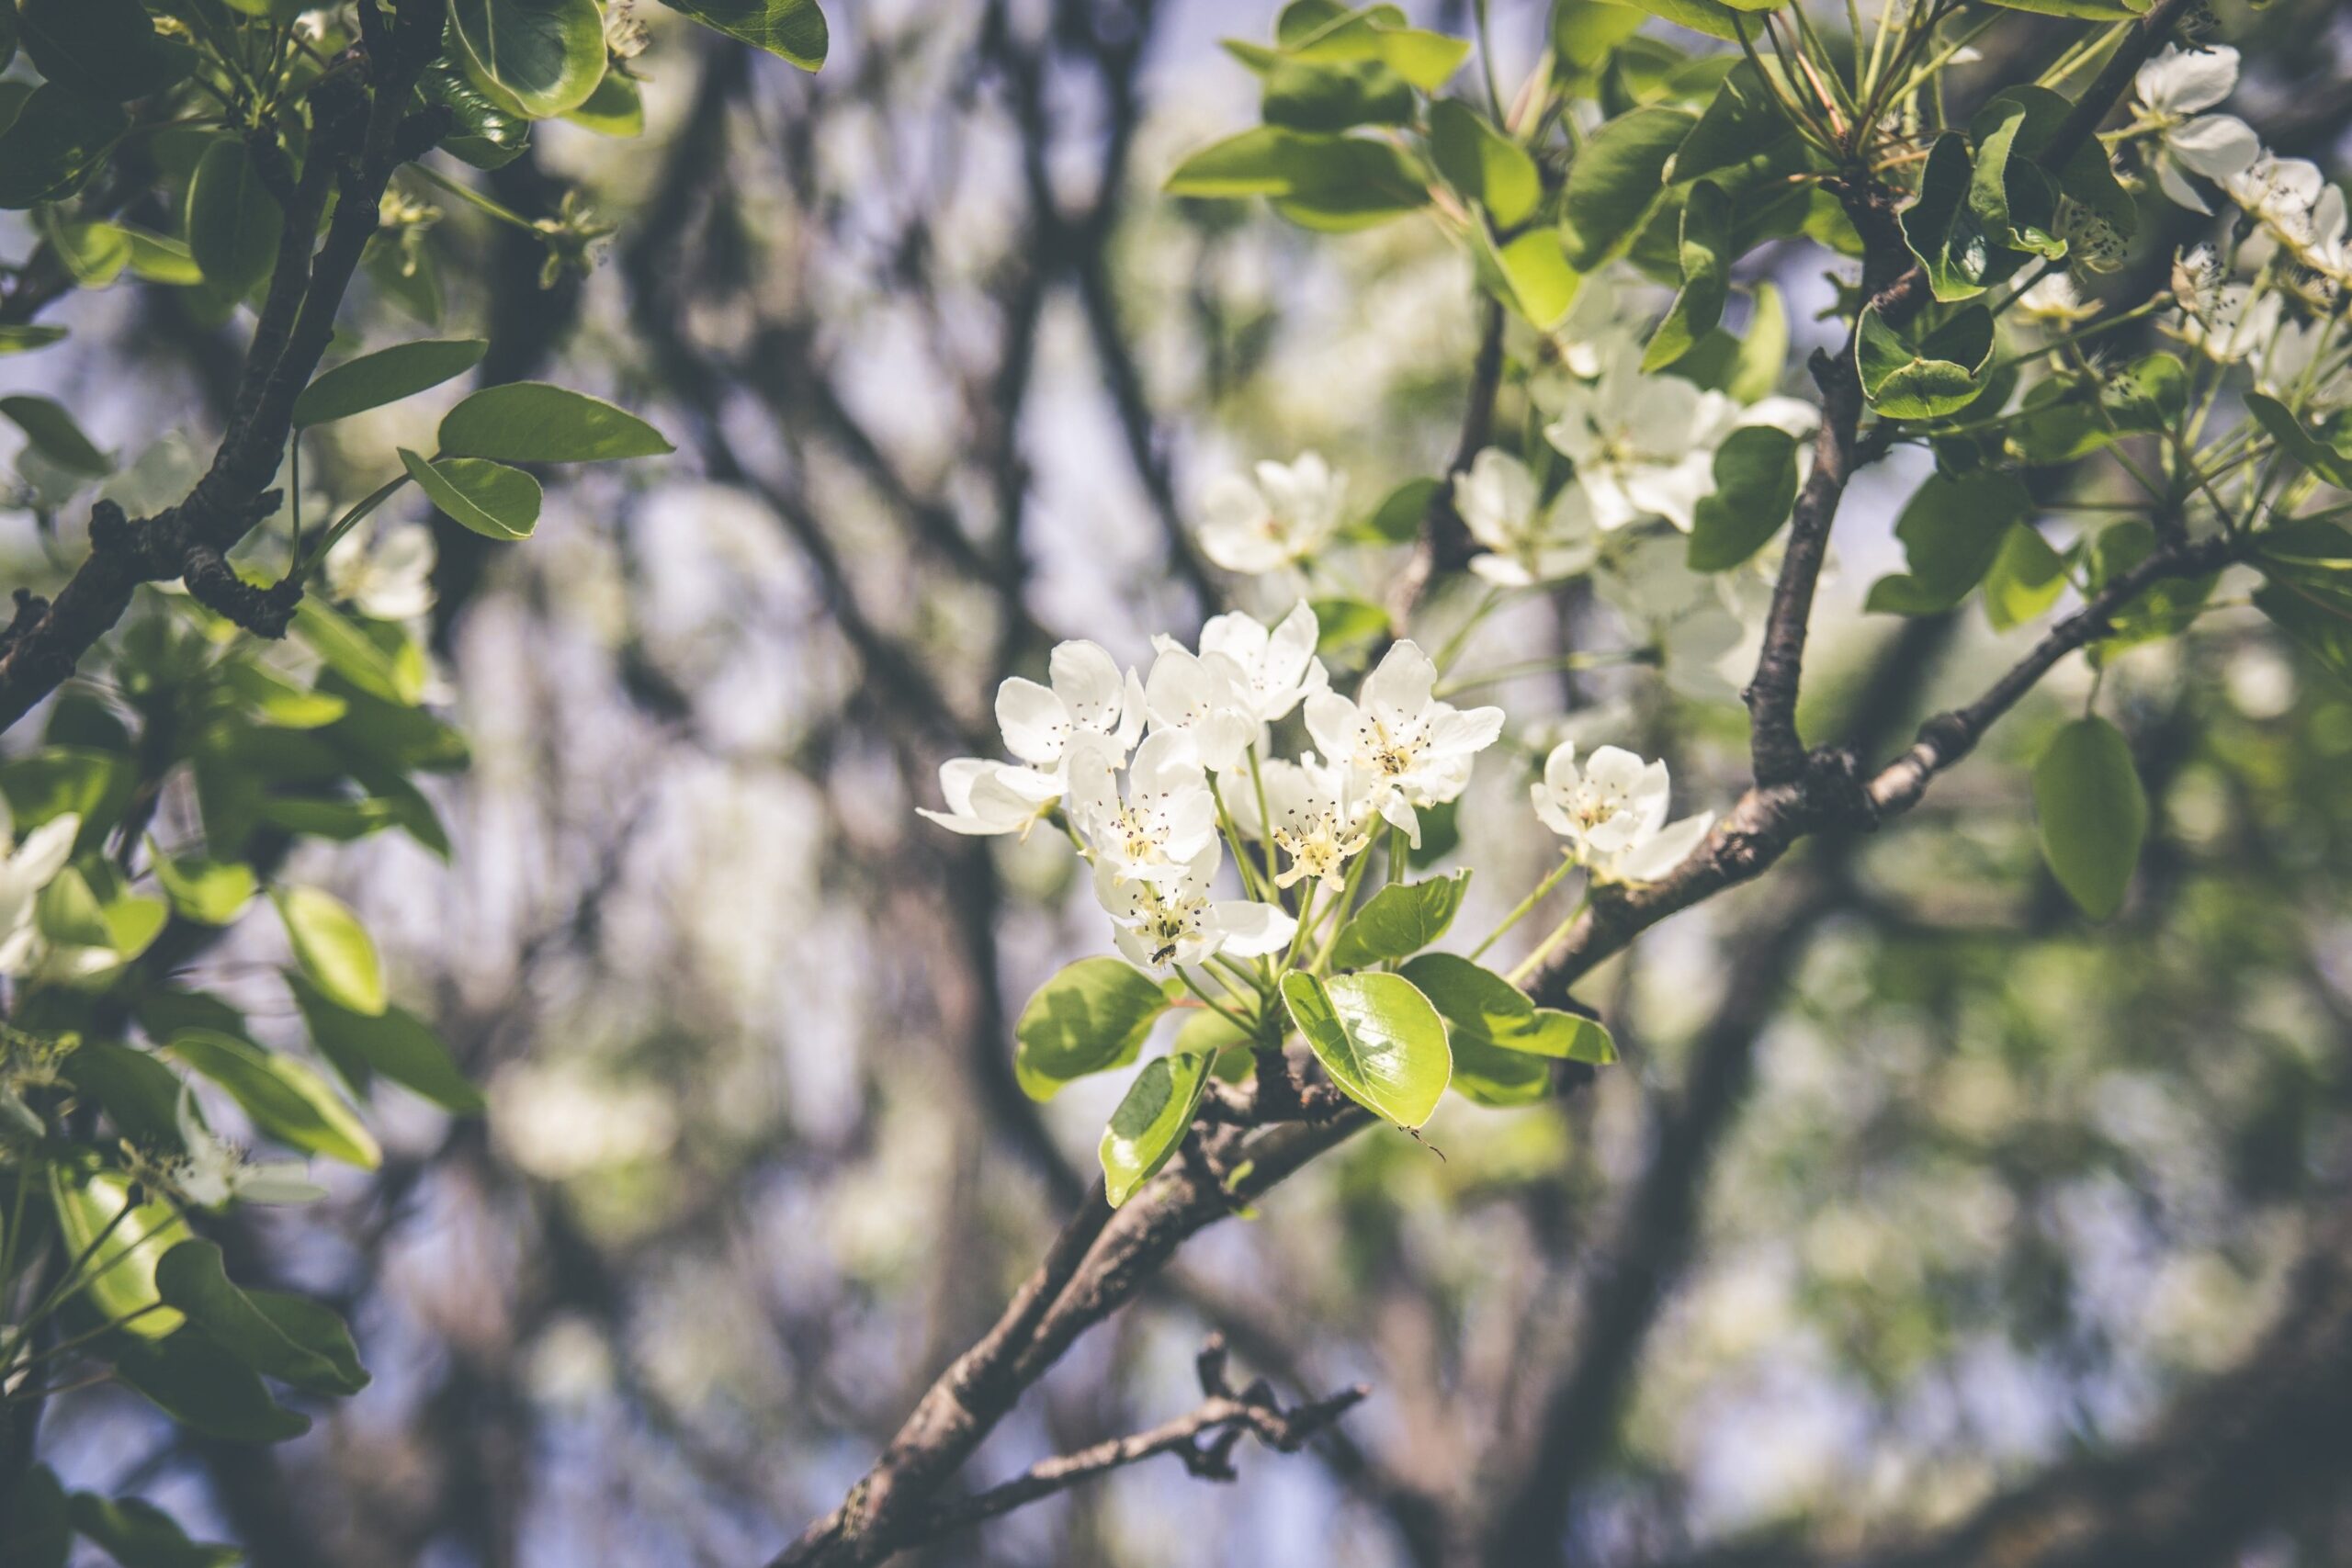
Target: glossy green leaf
<point>789,30</point>
<point>1938,376</point>
<point>311,1351</point>
<point>52,431</point>
<point>1332,95</point>
<point>384,376</point>
<point>1323,181</point>
<point>1706,277</point>
<point>1314,30</point>
<point>1378,1037</point>
<point>1152,1120</point>
<point>1398,520</point>
<point>395,1044</point>
<point>1708,16</point>
<point>233,223</point>
<point>1763,351</point>
<point>333,948</point>
<point>1940,228</point>
<point>488,134</point>
<point>1483,163</point>
<point>211,893</point>
<point>2014,202</point>
<point>485,498</point>
<point>95,254</point>
<point>1616,180</point>
<point>616,109</point>
<point>186,1376</point>
<point>285,1098</point>
<point>1092,1016</point>
<point>540,58</point>
<point>1480,1006</point>
<point>140,1095</point>
<point>1756,484</point>
<point>2299,444</point>
<point>1402,918</point>
<point>530,421</point>
<point>120,1275</point>
<point>2092,813</point>
<point>1347,631</point>
<point>1542,284</point>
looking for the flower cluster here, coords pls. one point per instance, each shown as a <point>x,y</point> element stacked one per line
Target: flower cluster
<point>1153,775</point>
<point>1612,813</point>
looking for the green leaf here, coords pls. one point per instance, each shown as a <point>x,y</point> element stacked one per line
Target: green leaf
<point>2014,202</point>
<point>1092,1016</point>
<point>1349,629</point>
<point>282,701</point>
<point>1497,1079</point>
<point>1615,181</point>
<point>52,433</point>
<point>103,49</point>
<point>790,29</point>
<point>1333,183</point>
<point>1317,32</point>
<point>385,377</point>
<point>488,134</point>
<point>1941,229</point>
<point>138,1534</point>
<point>2092,812</point>
<point>57,138</point>
<point>616,109</point>
<point>1938,376</point>
<point>2163,608</point>
<point>233,223</point>
<point>351,654</point>
<point>1398,520</point>
<point>186,1376</point>
<point>1706,277</point>
<point>2081,10</point>
<point>1480,1006</point>
<point>2297,443</point>
<point>396,1043</point>
<point>1952,529</point>
<point>2311,622</point>
<point>121,1276</point>
<point>1764,352</point>
<point>2025,581</point>
<point>94,785</point>
<point>530,421</point>
<point>541,58</point>
<point>1378,1037</point>
<point>485,498</point>
<point>1402,918</point>
<point>95,254</point>
<point>333,948</point>
<point>1152,1120</point>
<point>285,1098</point>
<point>15,339</point>
<point>192,1277</point>
<point>159,258</point>
<point>211,893</point>
<point>1483,163</point>
<point>138,1094</point>
<point>1305,94</point>
<point>1585,33</point>
<point>1542,284</point>
<point>1708,16</point>
<point>1756,484</point>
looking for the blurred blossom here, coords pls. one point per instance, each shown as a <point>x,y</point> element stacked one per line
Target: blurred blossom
<point>2171,89</point>
<point>1289,511</point>
<point>559,1121</point>
<point>387,577</point>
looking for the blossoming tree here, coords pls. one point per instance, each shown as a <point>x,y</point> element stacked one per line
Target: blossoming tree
<point>1259,824</point>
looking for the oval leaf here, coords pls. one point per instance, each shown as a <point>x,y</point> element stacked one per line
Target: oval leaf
<point>543,56</point>
<point>2092,811</point>
<point>1402,918</point>
<point>1089,1017</point>
<point>283,1097</point>
<point>192,1277</point>
<point>120,1274</point>
<point>485,498</point>
<point>1480,1006</point>
<point>1378,1037</point>
<point>789,30</point>
<point>1152,1121</point>
<point>398,1045</point>
<point>385,377</point>
<point>334,949</point>
<point>530,421</point>
<point>233,223</point>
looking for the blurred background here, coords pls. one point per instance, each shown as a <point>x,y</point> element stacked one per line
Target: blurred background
<point>1913,1194</point>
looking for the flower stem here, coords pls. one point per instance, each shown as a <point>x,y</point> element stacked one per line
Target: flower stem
<point>1542,890</point>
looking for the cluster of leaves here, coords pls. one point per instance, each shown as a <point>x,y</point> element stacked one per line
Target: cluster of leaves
<point>189,763</point>
<point>1394,1023</point>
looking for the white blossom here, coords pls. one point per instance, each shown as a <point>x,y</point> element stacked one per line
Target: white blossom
<point>2171,88</point>
<point>1165,817</point>
<point>2278,192</point>
<point>1321,819</point>
<point>2054,298</point>
<point>1207,701</point>
<point>1644,445</point>
<point>1088,698</point>
<point>1526,542</point>
<point>391,578</point>
<point>1177,922</point>
<point>1613,812</point>
<point>1274,671</point>
<point>24,872</point>
<point>1412,749</point>
<point>213,1172</point>
<point>1290,512</point>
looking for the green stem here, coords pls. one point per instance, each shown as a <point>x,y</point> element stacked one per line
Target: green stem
<point>1542,890</point>
<point>1534,961</point>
